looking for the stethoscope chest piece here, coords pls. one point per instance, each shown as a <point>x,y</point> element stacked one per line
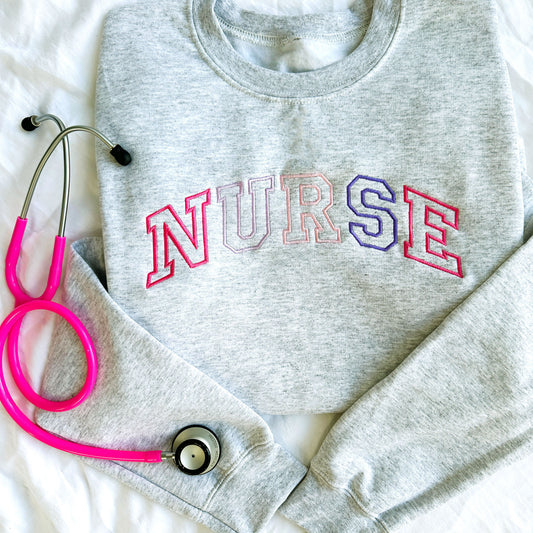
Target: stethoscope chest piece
<point>196,450</point>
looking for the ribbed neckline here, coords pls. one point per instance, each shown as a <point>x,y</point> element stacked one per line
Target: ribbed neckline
<point>210,17</point>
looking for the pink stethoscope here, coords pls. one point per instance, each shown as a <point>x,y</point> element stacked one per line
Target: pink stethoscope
<point>195,449</point>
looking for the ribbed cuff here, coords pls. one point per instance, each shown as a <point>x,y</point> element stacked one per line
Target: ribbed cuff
<point>317,507</point>
<point>242,502</point>
<point>253,491</point>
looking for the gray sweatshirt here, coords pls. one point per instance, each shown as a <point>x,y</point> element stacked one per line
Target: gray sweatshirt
<point>324,214</point>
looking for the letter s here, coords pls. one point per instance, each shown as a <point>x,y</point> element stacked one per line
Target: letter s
<point>373,230</point>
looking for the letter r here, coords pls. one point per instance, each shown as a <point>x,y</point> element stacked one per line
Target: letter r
<point>309,197</point>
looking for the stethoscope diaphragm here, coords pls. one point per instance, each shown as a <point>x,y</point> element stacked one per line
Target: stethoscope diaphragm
<point>196,450</point>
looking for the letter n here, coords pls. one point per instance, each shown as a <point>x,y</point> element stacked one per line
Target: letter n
<point>171,237</point>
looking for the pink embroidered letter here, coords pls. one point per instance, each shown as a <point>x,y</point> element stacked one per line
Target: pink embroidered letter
<point>236,236</point>
<point>309,196</point>
<point>431,249</point>
<point>169,234</point>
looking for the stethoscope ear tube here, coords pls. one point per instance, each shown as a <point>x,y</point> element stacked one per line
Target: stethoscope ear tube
<point>30,124</point>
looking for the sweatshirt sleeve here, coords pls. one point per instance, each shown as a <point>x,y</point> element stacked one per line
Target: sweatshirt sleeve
<point>129,409</point>
<point>457,408</point>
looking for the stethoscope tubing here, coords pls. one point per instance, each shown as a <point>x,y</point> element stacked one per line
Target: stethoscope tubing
<point>188,441</point>
<point>24,303</point>
<point>12,320</point>
<point>21,297</point>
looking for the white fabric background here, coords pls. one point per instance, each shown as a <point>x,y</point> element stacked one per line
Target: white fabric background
<point>48,55</point>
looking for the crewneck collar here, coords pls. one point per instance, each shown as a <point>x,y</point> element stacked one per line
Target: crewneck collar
<point>210,17</point>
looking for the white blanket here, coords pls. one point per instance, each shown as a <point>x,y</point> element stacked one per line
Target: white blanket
<point>48,56</point>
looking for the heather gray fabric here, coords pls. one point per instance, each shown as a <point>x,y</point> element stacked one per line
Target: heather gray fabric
<point>324,213</point>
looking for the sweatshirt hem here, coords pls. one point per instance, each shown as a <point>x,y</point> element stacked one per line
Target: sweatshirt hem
<point>258,483</point>
<point>159,494</point>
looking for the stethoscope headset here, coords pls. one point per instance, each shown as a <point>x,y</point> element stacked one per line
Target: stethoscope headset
<point>195,449</point>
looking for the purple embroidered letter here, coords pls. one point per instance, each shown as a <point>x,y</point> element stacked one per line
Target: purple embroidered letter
<point>379,232</point>
<point>430,250</point>
<point>242,233</point>
<point>309,196</point>
<point>169,234</point>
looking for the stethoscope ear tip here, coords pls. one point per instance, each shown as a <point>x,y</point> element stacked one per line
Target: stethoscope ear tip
<point>28,124</point>
<point>121,156</point>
